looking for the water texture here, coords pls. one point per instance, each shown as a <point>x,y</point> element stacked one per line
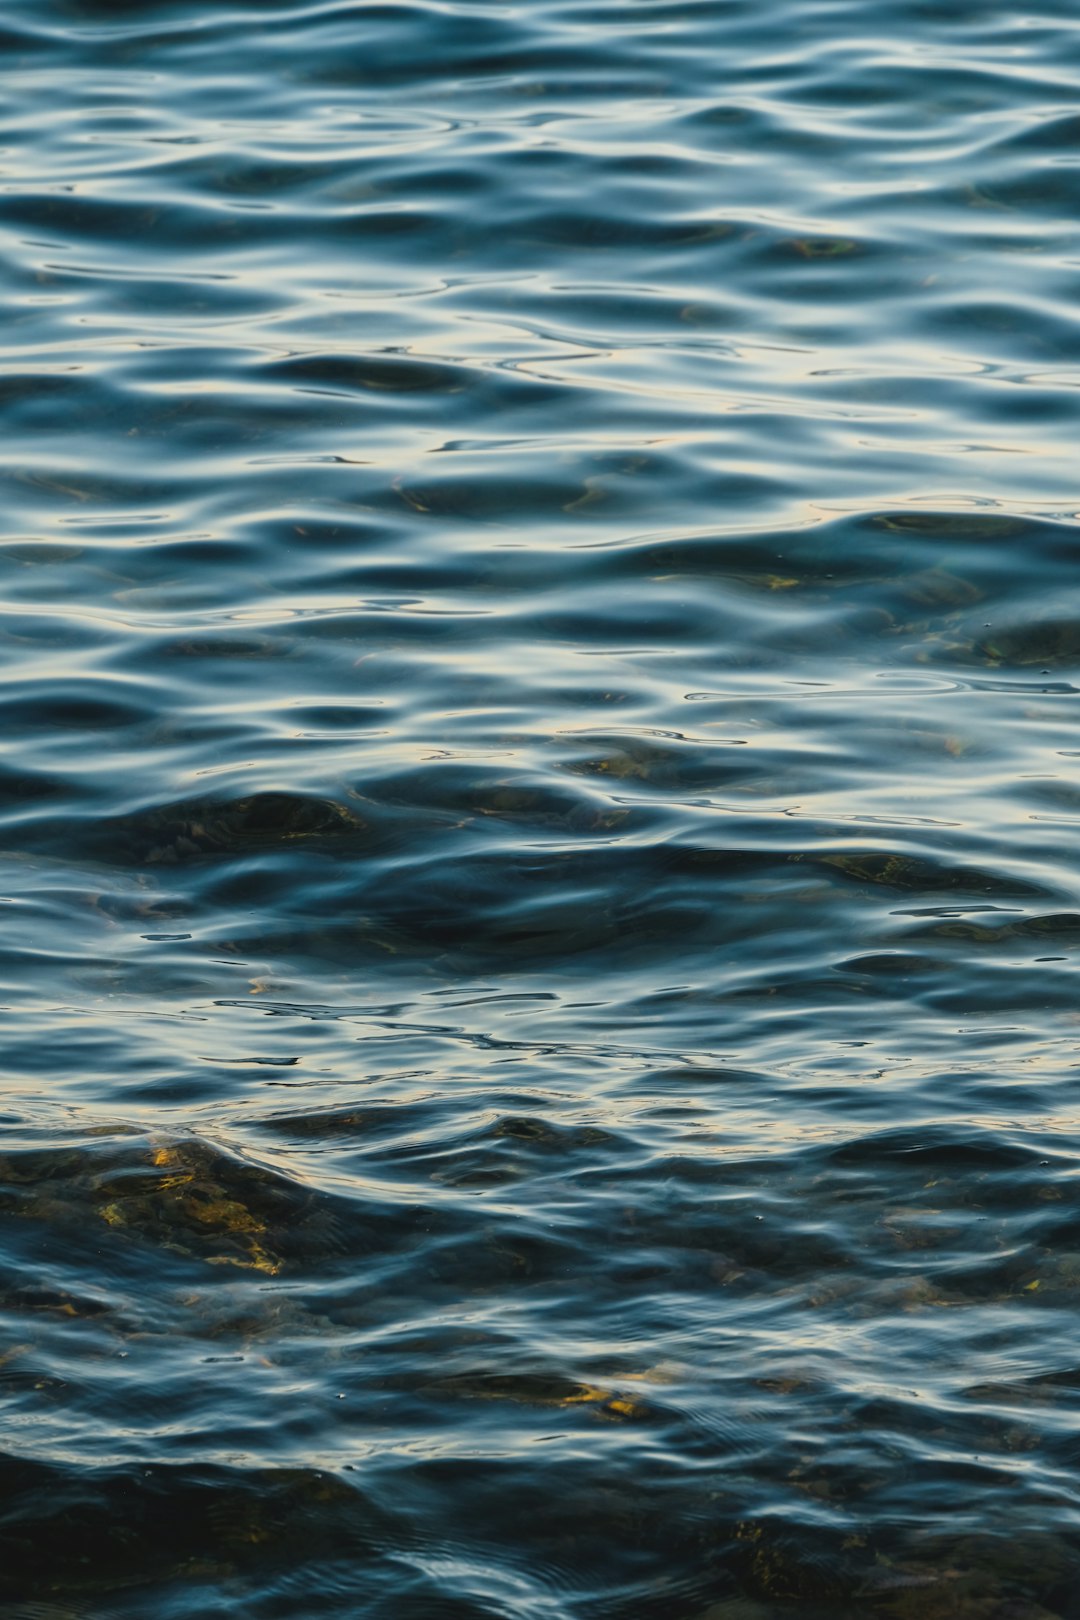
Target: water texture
<point>539,646</point>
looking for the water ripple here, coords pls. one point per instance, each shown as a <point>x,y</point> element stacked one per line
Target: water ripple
<point>538,630</point>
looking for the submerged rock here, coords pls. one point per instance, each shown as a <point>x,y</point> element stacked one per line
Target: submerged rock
<point>182,1194</point>
<point>190,828</point>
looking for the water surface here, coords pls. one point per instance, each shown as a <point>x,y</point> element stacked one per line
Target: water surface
<point>540,631</point>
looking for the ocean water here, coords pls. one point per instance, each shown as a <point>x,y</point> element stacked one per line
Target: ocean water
<point>539,646</point>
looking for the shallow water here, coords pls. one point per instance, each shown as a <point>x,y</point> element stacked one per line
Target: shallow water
<point>540,633</point>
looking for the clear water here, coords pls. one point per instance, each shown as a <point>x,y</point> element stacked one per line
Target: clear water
<point>540,630</point>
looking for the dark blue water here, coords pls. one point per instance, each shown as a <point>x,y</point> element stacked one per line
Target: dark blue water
<point>540,636</point>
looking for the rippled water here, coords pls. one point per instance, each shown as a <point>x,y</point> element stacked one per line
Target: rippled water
<point>538,808</point>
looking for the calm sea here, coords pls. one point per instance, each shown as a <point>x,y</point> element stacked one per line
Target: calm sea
<point>539,893</point>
